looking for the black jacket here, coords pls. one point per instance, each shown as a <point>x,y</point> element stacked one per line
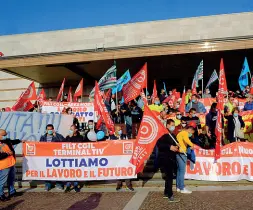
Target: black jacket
<point>113,137</point>
<point>231,127</point>
<point>77,138</point>
<point>9,142</point>
<point>164,152</point>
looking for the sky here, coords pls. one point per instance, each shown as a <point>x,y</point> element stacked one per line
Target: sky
<point>29,16</point>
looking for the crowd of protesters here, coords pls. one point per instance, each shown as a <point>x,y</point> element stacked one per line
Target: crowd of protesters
<point>184,132</point>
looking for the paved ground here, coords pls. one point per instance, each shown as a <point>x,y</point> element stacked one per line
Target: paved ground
<point>70,201</point>
<point>142,199</point>
<point>223,200</point>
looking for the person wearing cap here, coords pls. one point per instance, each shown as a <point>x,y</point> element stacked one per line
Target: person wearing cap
<point>198,106</point>
<point>184,141</point>
<point>249,104</point>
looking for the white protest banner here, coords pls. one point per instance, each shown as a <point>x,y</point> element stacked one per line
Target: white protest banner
<point>31,126</point>
<point>236,163</point>
<point>83,111</point>
<point>78,161</point>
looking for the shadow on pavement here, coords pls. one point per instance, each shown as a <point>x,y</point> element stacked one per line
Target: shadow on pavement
<point>13,205</point>
<point>89,203</point>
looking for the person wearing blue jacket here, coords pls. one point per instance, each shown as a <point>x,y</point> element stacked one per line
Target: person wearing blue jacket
<point>194,103</point>
<point>249,104</point>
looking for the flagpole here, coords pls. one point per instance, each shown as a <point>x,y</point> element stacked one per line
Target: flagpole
<point>82,92</point>
<point>202,87</point>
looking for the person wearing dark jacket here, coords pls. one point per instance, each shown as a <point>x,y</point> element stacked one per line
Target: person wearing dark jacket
<point>74,136</point>
<point>167,148</point>
<point>52,136</point>
<point>7,165</point>
<point>211,119</point>
<point>235,126</point>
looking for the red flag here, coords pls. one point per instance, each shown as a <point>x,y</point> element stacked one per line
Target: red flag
<point>1,54</point>
<point>251,86</point>
<point>151,129</point>
<point>27,106</point>
<point>29,94</point>
<point>218,133</point>
<point>133,88</point>
<point>182,105</point>
<point>222,87</point>
<point>108,96</point>
<point>144,97</point>
<point>41,97</point>
<point>101,108</point>
<point>154,95</point>
<point>220,106</point>
<point>61,91</point>
<point>69,99</point>
<point>79,90</point>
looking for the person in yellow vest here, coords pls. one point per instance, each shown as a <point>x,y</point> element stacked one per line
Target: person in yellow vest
<point>156,106</point>
<point>7,165</point>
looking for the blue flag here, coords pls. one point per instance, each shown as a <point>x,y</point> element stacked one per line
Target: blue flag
<point>243,79</point>
<point>164,87</point>
<point>125,78</point>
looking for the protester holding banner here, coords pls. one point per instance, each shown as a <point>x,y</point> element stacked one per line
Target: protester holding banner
<point>74,136</point>
<point>52,136</point>
<point>118,135</point>
<point>167,148</point>
<point>235,126</point>
<point>7,165</point>
<point>184,142</point>
<point>200,108</point>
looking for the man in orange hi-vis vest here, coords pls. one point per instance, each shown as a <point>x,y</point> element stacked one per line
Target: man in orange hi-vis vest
<point>7,165</point>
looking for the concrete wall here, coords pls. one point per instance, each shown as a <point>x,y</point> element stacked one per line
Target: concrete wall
<point>12,86</point>
<point>176,30</point>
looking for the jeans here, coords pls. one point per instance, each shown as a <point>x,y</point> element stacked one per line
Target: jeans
<point>75,184</point>
<point>7,175</point>
<point>48,185</point>
<point>181,167</point>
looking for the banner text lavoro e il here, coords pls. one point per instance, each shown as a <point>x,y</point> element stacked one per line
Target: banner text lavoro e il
<point>236,163</point>
<point>78,161</point>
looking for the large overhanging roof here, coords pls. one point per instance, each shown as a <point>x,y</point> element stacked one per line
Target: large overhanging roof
<point>88,52</point>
